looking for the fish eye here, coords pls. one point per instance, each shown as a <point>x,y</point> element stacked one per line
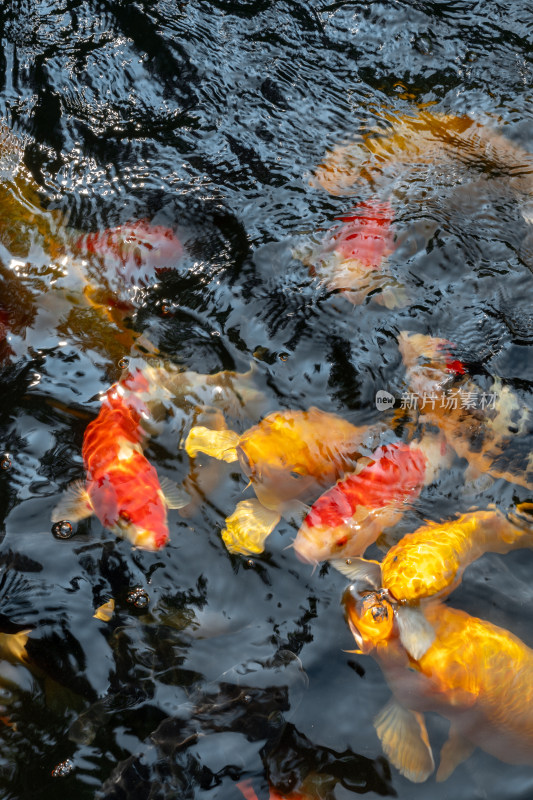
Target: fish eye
<point>296,475</point>
<point>125,516</point>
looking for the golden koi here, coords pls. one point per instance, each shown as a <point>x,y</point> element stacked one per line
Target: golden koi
<point>422,138</point>
<point>288,456</point>
<point>475,674</point>
<point>430,563</point>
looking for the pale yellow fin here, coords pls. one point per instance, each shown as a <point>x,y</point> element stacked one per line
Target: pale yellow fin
<point>74,504</point>
<point>416,633</point>
<point>456,750</point>
<point>105,612</point>
<point>218,444</point>
<point>359,570</point>
<point>405,741</point>
<point>13,646</point>
<point>175,496</point>
<point>248,527</point>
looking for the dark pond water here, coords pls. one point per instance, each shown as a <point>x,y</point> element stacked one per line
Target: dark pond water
<point>210,118</point>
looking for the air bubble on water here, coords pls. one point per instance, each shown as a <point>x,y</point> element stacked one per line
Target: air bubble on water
<point>138,597</point>
<point>62,529</point>
<point>62,769</point>
<point>123,363</point>
<point>5,462</point>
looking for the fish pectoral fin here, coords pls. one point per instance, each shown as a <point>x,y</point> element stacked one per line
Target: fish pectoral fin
<point>416,633</point>
<point>404,739</point>
<point>248,527</point>
<point>13,645</point>
<point>456,750</point>
<point>105,611</point>
<point>295,512</point>
<point>74,504</point>
<point>218,444</point>
<point>174,495</point>
<point>359,570</point>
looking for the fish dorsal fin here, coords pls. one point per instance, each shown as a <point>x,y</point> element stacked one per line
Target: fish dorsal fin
<point>248,527</point>
<point>175,496</point>
<point>74,504</point>
<point>416,633</point>
<point>456,750</point>
<point>218,444</point>
<point>404,739</point>
<point>359,570</point>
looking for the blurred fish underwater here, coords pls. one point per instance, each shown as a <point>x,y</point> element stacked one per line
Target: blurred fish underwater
<point>275,257</point>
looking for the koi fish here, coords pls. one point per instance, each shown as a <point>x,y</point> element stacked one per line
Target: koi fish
<point>352,258</point>
<point>475,674</point>
<point>139,250</point>
<point>311,789</point>
<point>416,140</point>
<point>122,488</point>
<point>288,456</point>
<point>351,515</point>
<point>495,438</point>
<point>430,563</point>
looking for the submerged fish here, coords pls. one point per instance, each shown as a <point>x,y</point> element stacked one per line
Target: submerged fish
<point>351,515</point>
<point>475,674</point>
<point>138,251</point>
<point>430,562</point>
<point>492,430</point>
<point>352,259</point>
<point>122,488</point>
<point>288,456</point>
<point>420,140</point>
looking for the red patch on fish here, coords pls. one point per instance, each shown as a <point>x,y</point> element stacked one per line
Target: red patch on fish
<point>397,472</point>
<point>452,364</point>
<point>139,249</point>
<point>366,235</point>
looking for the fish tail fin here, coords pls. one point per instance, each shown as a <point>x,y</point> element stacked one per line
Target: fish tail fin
<point>218,444</point>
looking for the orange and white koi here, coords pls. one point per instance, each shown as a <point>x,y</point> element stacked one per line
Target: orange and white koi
<point>289,456</point>
<point>351,515</point>
<point>492,430</point>
<point>475,674</point>
<point>122,488</point>
<point>352,259</point>
<point>138,251</point>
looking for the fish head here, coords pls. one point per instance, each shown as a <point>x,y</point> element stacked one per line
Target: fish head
<point>147,529</point>
<point>369,614</point>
